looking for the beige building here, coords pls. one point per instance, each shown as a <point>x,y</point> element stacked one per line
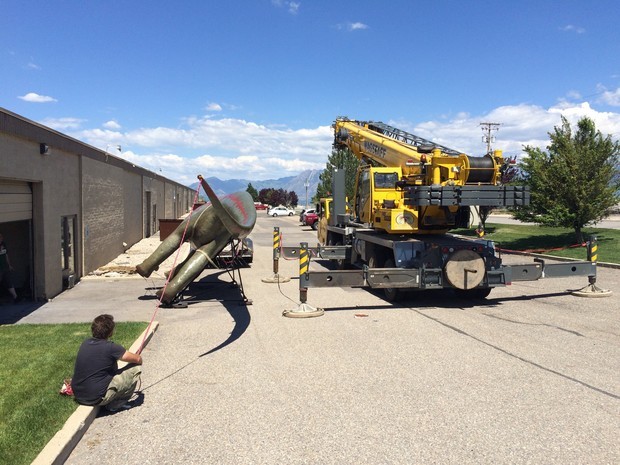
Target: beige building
<point>67,208</point>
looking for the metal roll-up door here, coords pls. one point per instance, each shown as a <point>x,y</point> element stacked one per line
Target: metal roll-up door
<point>15,201</point>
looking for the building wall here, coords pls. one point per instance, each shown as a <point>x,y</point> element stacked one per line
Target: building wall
<point>105,195</point>
<point>55,180</point>
<point>112,212</point>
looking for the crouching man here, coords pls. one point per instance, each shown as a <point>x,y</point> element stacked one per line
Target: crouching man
<point>96,377</point>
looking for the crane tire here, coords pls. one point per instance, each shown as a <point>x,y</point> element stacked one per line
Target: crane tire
<point>392,294</point>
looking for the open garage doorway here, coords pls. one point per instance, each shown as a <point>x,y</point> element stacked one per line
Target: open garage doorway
<point>16,228</point>
<point>18,239</point>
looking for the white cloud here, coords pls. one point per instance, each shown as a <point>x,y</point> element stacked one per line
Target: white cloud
<point>233,148</point>
<point>520,125</point>
<point>214,107</point>
<point>113,125</point>
<point>351,26</point>
<point>63,124</point>
<point>33,66</point>
<point>609,97</point>
<point>36,98</point>
<point>292,7</point>
<point>571,28</point>
<point>357,26</point>
<point>226,148</point>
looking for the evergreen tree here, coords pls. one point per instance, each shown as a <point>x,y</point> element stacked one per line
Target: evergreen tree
<point>253,192</point>
<point>575,182</point>
<point>341,159</point>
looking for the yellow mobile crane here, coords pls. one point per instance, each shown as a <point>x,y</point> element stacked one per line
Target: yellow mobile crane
<point>409,193</point>
<point>407,184</point>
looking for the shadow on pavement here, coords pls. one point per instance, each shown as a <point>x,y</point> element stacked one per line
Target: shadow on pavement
<point>213,288</point>
<point>137,401</point>
<point>11,313</point>
<point>442,298</point>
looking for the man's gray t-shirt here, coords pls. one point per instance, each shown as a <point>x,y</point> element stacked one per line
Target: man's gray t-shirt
<point>95,366</point>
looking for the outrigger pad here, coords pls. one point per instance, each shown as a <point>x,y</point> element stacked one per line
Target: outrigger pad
<point>593,291</point>
<point>303,311</point>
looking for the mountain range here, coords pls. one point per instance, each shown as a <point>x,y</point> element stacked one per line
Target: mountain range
<point>295,184</point>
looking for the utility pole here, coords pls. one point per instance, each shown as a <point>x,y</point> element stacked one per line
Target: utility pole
<point>307,185</point>
<point>488,138</point>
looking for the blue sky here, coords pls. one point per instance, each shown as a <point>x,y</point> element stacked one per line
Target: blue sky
<point>249,88</point>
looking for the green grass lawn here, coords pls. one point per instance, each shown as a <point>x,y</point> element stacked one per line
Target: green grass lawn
<point>552,241</point>
<point>35,360</point>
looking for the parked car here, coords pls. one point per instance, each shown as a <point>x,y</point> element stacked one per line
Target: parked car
<point>311,219</point>
<point>260,206</point>
<point>280,211</point>
<point>303,212</point>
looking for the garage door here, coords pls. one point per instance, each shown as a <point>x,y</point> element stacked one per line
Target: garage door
<point>15,201</point>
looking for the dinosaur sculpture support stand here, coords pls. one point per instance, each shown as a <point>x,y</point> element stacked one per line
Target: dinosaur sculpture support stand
<point>232,267</point>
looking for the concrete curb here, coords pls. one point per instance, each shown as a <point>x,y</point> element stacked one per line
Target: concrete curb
<point>58,449</point>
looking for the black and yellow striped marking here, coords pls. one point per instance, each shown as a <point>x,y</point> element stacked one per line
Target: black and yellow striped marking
<point>304,259</point>
<point>593,252</point>
<point>276,241</point>
<point>593,249</point>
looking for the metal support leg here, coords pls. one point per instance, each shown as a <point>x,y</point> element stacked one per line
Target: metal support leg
<point>592,290</point>
<point>275,277</point>
<point>303,310</point>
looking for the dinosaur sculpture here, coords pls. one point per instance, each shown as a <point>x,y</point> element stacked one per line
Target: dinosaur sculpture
<point>211,227</point>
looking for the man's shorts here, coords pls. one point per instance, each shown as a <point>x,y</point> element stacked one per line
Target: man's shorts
<point>122,386</point>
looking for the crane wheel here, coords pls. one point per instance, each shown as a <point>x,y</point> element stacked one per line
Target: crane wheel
<point>392,294</point>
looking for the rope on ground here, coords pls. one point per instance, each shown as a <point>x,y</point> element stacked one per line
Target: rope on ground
<point>174,265</point>
<point>310,251</point>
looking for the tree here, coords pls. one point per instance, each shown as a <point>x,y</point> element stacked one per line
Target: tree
<point>575,182</point>
<point>292,199</point>
<point>252,191</point>
<point>341,159</point>
<point>271,196</point>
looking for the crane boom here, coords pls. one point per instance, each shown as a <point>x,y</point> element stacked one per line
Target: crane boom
<point>408,138</point>
<point>422,162</point>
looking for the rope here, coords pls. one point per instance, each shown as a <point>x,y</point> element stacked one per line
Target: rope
<point>174,265</point>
